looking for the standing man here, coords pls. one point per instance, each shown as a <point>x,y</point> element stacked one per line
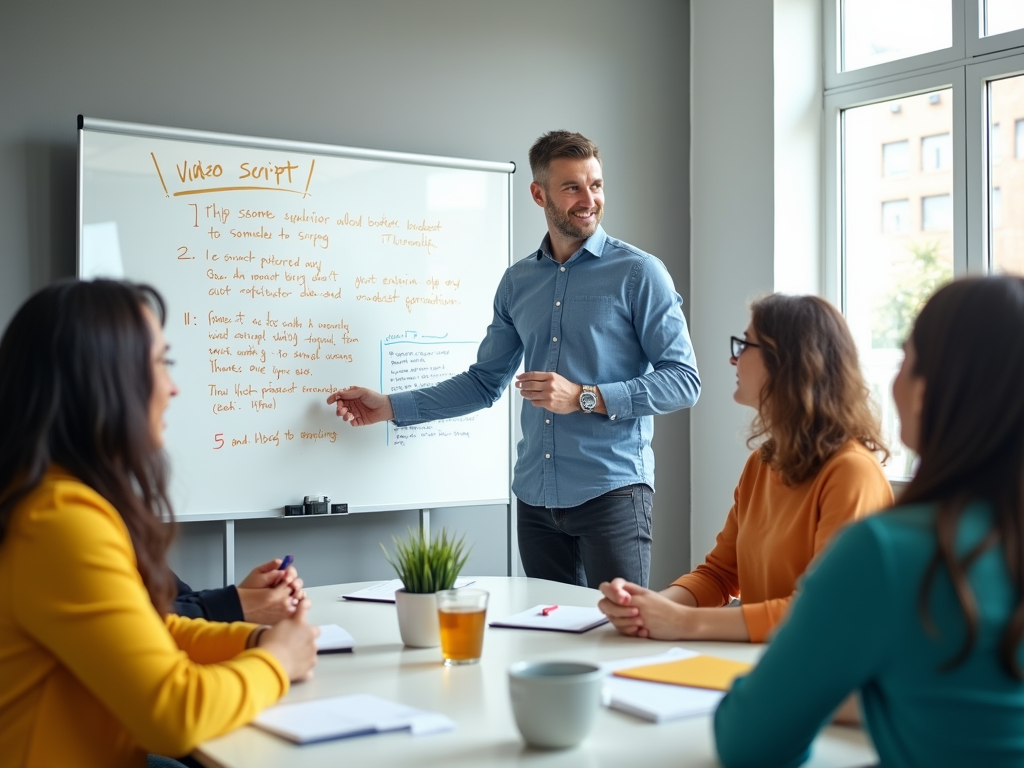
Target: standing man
<point>606,347</point>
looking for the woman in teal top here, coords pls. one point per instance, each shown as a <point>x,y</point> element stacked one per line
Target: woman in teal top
<point>920,609</point>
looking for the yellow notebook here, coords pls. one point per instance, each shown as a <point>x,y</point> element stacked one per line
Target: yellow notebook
<point>696,672</point>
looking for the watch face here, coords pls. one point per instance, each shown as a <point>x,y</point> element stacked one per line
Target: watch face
<point>588,401</point>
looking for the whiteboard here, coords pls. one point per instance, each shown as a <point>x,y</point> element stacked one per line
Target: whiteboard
<point>291,270</point>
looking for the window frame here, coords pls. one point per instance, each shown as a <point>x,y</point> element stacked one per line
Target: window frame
<point>978,203</point>
<point>979,46</point>
<point>834,78</point>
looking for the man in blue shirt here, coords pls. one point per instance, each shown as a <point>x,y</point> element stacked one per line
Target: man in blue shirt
<point>606,348</point>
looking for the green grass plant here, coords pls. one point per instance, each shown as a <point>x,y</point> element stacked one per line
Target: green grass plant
<point>428,566</point>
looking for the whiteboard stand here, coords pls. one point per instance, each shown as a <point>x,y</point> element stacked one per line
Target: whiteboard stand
<point>229,552</point>
<point>425,524</point>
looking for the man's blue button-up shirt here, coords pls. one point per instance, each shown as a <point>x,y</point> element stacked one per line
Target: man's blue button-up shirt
<point>608,316</point>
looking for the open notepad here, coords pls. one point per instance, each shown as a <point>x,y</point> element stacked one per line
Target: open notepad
<point>342,717</point>
<point>564,618</point>
<point>657,701</point>
<point>385,591</point>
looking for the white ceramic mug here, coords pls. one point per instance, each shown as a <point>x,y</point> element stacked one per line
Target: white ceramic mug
<point>554,702</point>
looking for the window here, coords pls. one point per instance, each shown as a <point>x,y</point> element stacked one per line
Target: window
<point>895,216</point>
<point>878,31</point>
<point>1002,16</point>
<point>1005,231</point>
<point>944,78</point>
<point>896,158</point>
<point>937,213</point>
<point>937,153</point>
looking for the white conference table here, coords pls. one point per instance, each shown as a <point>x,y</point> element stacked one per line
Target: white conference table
<point>477,698</point>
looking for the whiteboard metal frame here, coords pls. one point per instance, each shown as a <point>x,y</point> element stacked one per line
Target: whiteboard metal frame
<point>333,150</point>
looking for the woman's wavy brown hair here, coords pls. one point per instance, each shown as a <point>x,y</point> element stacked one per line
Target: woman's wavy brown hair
<point>76,380</point>
<point>815,399</point>
<point>969,348</point>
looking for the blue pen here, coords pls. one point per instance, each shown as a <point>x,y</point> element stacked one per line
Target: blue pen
<point>288,559</point>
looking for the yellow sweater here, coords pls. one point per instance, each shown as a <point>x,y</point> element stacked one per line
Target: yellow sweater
<point>92,675</point>
<point>773,532</point>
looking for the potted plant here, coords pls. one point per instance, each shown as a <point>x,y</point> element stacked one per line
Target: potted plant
<point>425,568</point>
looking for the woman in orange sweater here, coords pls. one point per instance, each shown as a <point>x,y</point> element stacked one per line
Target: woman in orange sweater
<point>816,469</point>
<point>95,670</point>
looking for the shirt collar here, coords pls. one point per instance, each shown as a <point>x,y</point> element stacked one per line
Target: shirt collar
<point>594,245</point>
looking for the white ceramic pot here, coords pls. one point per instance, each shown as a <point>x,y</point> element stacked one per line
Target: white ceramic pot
<point>417,619</point>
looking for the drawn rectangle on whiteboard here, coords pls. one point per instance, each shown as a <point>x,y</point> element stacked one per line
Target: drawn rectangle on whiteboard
<point>291,270</point>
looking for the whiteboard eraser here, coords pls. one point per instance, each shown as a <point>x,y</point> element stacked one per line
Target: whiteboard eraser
<point>339,509</point>
<point>290,510</point>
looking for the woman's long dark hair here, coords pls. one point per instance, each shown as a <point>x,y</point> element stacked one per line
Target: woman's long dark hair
<point>814,400</point>
<point>969,346</point>
<point>75,385</point>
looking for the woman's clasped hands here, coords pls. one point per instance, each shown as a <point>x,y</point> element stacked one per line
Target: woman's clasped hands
<point>641,612</point>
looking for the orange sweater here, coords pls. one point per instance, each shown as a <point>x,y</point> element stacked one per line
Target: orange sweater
<point>91,675</point>
<point>773,532</point>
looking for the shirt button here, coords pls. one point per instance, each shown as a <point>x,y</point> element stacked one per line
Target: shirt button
<point>558,303</point>
<point>554,338</point>
<point>612,417</point>
<point>547,455</point>
<point>547,421</point>
<point>561,269</point>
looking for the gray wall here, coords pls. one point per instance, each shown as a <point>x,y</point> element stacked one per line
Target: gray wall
<point>467,78</point>
<point>732,185</point>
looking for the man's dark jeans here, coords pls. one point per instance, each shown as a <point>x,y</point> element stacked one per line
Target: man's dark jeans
<point>596,541</point>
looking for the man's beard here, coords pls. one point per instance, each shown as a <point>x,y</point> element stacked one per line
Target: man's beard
<point>568,225</point>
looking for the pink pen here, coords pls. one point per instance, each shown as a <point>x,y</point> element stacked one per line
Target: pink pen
<point>547,611</point>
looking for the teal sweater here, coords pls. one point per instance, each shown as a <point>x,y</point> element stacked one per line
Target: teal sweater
<point>855,626</point>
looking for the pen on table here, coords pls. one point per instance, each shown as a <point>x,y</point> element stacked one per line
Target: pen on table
<point>547,611</point>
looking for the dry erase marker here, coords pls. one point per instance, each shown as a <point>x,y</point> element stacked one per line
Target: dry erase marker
<point>547,611</point>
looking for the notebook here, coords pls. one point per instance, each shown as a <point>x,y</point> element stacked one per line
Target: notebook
<point>343,717</point>
<point>334,639</point>
<point>656,702</point>
<point>698,671</point>
<point>385,591</point>
<point>564,618</point>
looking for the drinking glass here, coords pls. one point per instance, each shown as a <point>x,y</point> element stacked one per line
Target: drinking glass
<point>461,614</point>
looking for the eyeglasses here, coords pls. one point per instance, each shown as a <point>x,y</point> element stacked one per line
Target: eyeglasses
<point>737,345</point>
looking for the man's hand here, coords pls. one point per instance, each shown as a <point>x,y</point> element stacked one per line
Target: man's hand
<point>360,406</point>
<point>552,392</point>
<point>268,595</point>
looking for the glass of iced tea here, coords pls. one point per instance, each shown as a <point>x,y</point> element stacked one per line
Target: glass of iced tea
<point>461,614</point>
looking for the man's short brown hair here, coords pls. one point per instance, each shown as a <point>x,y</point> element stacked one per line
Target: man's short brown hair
<point>556,144</point>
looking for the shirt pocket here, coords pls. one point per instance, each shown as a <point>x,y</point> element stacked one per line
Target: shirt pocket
<point>582,310</point>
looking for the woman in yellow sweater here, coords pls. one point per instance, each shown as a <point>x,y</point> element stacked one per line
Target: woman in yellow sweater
<point>815,470</point>
<point>95,670</point>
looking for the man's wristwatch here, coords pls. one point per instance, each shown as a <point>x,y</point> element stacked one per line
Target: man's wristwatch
<point>588,398</point>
